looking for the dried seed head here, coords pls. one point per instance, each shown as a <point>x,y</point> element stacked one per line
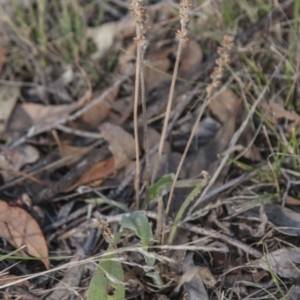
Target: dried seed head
<point>139,14</point>
<point>185,6</point>
<point>224,58</point>
<point>101,223</point>
<point>184,18</point>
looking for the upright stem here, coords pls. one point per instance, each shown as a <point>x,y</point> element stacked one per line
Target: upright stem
<point>135,125</point>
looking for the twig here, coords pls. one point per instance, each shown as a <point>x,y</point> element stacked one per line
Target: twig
<point>86,134</point>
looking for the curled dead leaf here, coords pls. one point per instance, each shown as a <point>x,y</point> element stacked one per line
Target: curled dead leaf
<point>19,228</point>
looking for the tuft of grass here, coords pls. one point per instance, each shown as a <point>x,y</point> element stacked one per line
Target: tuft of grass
<point>47,32</point>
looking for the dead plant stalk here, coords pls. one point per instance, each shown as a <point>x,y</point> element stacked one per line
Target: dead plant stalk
<point>139,16</point>
<point>181,35</point>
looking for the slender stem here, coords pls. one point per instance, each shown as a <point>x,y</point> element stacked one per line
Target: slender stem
<point>168,110</point>
<point>145,127</point>
<point>135,124</point>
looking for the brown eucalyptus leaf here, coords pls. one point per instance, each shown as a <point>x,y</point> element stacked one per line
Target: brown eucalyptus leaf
<point>19,228</point>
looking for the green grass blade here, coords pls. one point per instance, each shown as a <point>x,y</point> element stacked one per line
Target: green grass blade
<point>184,206</point>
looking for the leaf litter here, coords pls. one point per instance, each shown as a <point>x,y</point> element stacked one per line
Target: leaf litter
<point>58,150</point>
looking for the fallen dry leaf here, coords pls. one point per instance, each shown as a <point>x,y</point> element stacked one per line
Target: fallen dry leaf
<point>170,159</point>
<point>10,279</point>
<point>274,111</point>
<point>93,117</point>
<point>98,172</point>
<point>103,37</point>
<point>282,262</point>
<point>19,228</point>
<point>224,105</point>
<point>8,99</point>
<point>193,284</point>
<point>207,277</point>
<point>192,279</point>
<point>105,34</point>
<point>293,293</point>
<point>292,201</point>
<point>29,115</point>
<point>42,115</point>
<point>20,156</point>
<point>123,107</point>
<point>157,63</point>
<point>192,56</point>
<point>70,154</point>
<point>178,255</point>
<point>121,144</point>
<point>285,219</point>
<point>70,280</point>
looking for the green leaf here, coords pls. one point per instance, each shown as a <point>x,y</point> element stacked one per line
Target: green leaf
<point>107,281</point>
<point>138,222</point>
<point>160,187</point>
